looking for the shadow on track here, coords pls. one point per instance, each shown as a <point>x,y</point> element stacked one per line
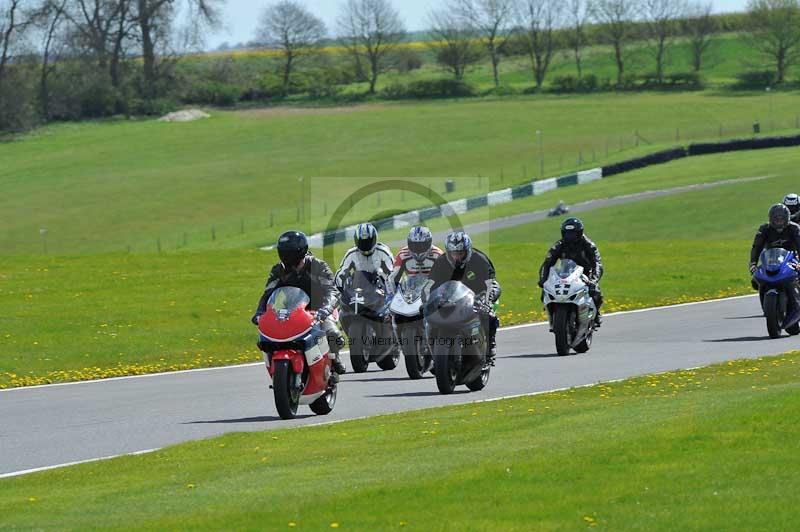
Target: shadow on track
<point>418,394</point>
<point>533,355</point>
<point>745,317</point>
<point>741,339</point>
<point>259,419</point>
<point>385,379</point>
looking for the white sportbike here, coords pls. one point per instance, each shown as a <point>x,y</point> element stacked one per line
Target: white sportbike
<point>570,308</point>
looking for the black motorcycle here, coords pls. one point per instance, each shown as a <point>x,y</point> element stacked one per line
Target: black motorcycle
<point>364,317</point>
<point>456,337</point>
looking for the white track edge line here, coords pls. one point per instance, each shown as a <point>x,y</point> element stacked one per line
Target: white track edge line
<point>359,418</point>
<point>250,364</point>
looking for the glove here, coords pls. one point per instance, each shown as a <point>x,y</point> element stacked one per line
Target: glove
<point>752,269</point>
<point>255,318</point>
<point>481,307</point>
<point>324,313</point>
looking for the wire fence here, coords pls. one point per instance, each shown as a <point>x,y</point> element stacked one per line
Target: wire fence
<point>311,208</point>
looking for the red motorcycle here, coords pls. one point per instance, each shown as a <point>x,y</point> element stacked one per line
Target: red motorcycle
<point>297,354</point>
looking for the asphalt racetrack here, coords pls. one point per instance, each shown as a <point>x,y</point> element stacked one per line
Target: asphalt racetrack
<point>58,424</point>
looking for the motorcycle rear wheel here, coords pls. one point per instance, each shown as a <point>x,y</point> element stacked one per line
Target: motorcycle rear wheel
<point>286,398</point>
<point>324,405</point>
<point>585,345</point>
<point>561,329</point>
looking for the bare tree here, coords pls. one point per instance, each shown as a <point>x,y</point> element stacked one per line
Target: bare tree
<point>776,32</point>
<point>53,17</point>
<point>153,20</point>
<point>103,27</point>
<point>454,42</point>
<point>615,27</point>
<point>373,29</point>
<point>538,20</point>
<point>292,28</point>
<point>492,19</point>
<point>661,26</point>
<point>701,26</point>
<point>578,14</point>
<point>16,17</point>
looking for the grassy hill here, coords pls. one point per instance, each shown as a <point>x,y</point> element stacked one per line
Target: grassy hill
<point>115,186</point>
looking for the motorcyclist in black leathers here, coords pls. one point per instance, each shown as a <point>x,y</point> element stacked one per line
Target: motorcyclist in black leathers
<point>780,232</point>
<point>576,246</point>
<point>461,262</point>
<point>303,270</point>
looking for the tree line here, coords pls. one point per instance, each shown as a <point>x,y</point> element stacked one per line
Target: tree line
<point>69,59</point>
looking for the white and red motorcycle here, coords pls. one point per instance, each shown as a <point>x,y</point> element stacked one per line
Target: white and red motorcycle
<point>297,355</point>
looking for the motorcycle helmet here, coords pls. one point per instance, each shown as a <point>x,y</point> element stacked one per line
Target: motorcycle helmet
<point>420,241</point>
<point>366,238</point>
<point>779,216</point>
<point>458,248</point>
<point>792,202</point>
<point>292,248</point>
<point>571,230</point>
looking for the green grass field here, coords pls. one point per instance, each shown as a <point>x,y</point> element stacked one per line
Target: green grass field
<point>115,314</point>
<point>706,449</point>
<point>114,186</point>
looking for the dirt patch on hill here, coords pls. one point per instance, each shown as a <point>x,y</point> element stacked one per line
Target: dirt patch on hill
<point>270,112</point>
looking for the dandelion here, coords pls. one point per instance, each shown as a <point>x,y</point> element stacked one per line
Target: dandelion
<point>190,486</point>
<point>334,525</point>
<point>292,524</point>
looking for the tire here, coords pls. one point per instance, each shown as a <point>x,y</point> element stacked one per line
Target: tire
<point>481,381</point>
<point>794,330</point>
<point>390,361</point>
<point>324,405</point>
<point>286,401</point>
<point>359,357</point>
<point>772,313</point>
<point>585,345</point>
<point>561,329</point>
<point>413,352</point>
<point>445,370</point>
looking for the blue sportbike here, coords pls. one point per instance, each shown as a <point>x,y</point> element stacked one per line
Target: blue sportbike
<point>777,278</point>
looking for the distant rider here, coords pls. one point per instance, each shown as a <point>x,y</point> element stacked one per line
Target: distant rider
<point>301,269</point>
<point>780,232</point>
<point>416,258</point>
<point>792,202</point>
<point>575,245</point>
<point>461,262</point>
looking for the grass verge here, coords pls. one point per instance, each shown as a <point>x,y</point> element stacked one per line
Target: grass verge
<point>711,448</point>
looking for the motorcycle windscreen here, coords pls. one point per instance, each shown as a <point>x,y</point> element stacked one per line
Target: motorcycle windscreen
<point>772,259</point>
<point>411,286</point>
<point>286,317</point>
<point>373,292</point>
<point>564,268</point>
<point>450,305</point>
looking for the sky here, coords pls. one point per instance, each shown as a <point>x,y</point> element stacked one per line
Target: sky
<point>240,17</point>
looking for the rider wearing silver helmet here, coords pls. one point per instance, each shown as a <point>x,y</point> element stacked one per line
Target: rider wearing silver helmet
<point>461,262</point>
<point>417,257</point>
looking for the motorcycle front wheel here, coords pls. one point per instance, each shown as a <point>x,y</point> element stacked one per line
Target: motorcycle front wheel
<point>287,397</point>
<point>445,369</point>
<point>561,329</point>
<point>359,354</point>
<point>772,311</point>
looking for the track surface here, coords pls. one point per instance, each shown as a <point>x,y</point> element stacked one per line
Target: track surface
<point>47,426</point>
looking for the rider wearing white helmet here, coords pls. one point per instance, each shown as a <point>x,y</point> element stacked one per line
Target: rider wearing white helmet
<point>367,255</point>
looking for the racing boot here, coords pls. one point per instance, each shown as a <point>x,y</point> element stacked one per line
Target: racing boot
<point>338,365</point>
<point>491,352</point>
<point>336,342</point>
<point>598,319</point>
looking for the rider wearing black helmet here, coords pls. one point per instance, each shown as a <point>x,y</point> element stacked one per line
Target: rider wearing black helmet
<point>576,246</point>
<point>792,202</point>
<point>780,232</point>
<point>299,268</point>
